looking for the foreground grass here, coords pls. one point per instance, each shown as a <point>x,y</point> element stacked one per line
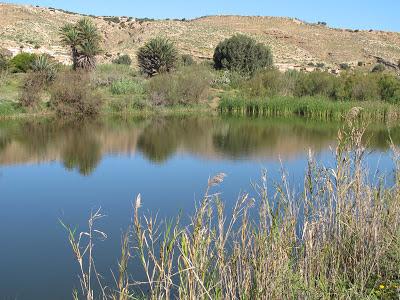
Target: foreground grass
<point>338,239</point>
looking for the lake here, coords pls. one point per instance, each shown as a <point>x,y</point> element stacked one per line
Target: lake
<point>55,170</point>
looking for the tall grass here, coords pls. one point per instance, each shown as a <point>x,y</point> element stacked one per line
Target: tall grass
<point>311,107</point>
<point>338,239</point>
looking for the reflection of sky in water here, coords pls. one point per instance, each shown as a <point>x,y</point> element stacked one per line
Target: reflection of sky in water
<point>35,257</point>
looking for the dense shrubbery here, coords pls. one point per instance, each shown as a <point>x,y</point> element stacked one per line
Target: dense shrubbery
<point>72,96</point>
<point>22,62</point>
<point>159,55</point>
<point>188,85</point>
<point>124,59</point>
<point>242,54</point>
<point>349,86</point>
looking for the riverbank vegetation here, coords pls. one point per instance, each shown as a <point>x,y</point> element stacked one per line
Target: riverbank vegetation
<point>339,237</point>
<point>241,79</point>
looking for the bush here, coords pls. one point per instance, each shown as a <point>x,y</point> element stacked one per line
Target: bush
<point>159,55</point>
<point>126,86</point>
<point>46,66</point>
<point>187,60</point>
<point>378,68</point>
<point>72,96</point>
<point>389,88</point>
<point>124,59</point>
<point>264,84</point>
<point>22,62</point>
<point>32,89</point>
<point>242,54</point>
<point>186,86</point>
<point>317,83</point>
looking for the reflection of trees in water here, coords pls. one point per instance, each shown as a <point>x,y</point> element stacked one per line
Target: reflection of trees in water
<point>158,141</point>
<point>162,137</point>
<point>74,141</point>
<point>81,152</point>
<point>243,137</point>
<point>81,146</point>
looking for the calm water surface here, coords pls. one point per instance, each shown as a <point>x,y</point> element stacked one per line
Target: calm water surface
<point>51,171</point>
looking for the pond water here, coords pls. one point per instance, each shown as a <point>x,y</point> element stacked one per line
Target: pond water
<point>51,171</point>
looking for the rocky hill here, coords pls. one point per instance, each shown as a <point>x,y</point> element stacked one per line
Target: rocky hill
<point>295,44</point>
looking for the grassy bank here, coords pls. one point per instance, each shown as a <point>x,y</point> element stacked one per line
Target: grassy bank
<point>119,89</point>
<point>309,107</point>
<point>338,238</point>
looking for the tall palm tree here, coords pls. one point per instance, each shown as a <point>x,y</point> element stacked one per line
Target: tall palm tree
<point>84,40</point>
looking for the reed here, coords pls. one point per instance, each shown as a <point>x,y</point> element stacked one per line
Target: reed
<point>339,238</point>
<point>310,107</point>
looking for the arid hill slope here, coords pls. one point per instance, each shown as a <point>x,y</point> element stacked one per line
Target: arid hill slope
<point>294,43</point>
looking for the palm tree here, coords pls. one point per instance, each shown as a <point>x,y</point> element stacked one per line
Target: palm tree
<point>84,40</point>
<point>70,37</point>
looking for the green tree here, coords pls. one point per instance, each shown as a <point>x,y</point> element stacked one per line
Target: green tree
<point>242,54</point>
<point>84,41</point>
<point>159,55</point>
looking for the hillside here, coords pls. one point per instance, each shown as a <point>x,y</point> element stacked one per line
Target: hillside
<point>295,44</point>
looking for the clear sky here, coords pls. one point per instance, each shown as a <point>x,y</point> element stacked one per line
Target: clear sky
<point>355,14</point>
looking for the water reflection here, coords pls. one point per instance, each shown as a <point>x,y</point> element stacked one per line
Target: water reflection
<point>81,146</point>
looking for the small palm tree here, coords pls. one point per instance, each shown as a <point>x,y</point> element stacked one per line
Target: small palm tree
<point>159,55</point>
<point>84,40</point>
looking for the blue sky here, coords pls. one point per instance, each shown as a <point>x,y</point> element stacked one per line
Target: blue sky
<point>355,14</point>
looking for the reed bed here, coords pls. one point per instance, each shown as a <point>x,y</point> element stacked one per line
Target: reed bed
<point>310,107</point>
<point>337,239</point>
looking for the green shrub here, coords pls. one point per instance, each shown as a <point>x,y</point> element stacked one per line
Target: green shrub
<point>264,83</point>
<point>124,59</point>
<point>242,54</point>
<point>378,68</point>
<point>126,86</point>
<point>389,87</point>
<point>72,96</point>
<point>46,66</point>
<point>361,87</point>
<point>22,62</point>
<point>185,86</point>
<point>187,60</point>
<point>159,55</point>
<point>316,84</point>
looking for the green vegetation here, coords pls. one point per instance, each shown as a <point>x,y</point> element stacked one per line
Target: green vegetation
<point>157,56</point>
<point>22,62</point>
<point>124,59</point>
<point>187,60</point>
<point>242,54</point>
<point>337,238</point>
<point>72,95</point>
<point>185,86</point>
<point>311,107</point>
<point>84,40</point>
<point>245,82</point>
